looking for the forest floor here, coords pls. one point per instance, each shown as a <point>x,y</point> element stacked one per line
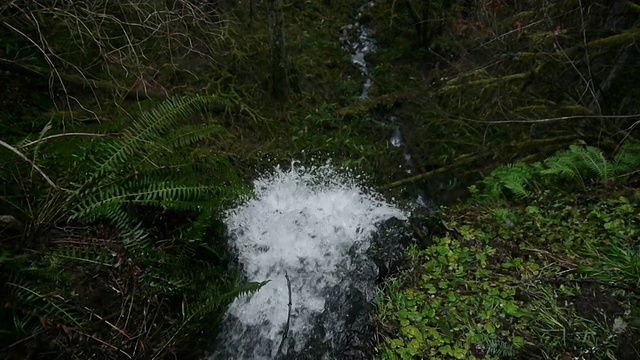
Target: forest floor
<point>550,276</point>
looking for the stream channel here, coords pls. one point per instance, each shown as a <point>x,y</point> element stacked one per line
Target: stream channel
<point>323,241</point>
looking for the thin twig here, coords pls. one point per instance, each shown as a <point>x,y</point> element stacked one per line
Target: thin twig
<point>96,27</point>
<point>564,263</point>
<point>106,321</point>
<point>530,121</point>
<point>105,343</point>
<point>23,340</point>
<point>286,327</point>
<point>61,135</point>
<point>562,280</point>
<point>21,155</point>
<point>133,295</point>
<point>628,133</point>
<point>591,83</point>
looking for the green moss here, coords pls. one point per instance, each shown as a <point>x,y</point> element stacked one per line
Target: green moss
<point>624,38</point>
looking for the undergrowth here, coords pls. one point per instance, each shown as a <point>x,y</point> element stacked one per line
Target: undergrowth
<point>578,166</point>
<point>543,263</point>
<point>123,255</point>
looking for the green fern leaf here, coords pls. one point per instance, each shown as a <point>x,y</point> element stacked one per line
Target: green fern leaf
<point>155,123</point>
<point>73,254</point>
<point>517,178</point>
<point>627,159</point>
<point>593,160</point>
<point>161,194</point>
<point>582,162</point>
<point>562,164</point>
<point>500,348</point>
<point>41,304</point>
<point>136,239</point>
<point>147,131</point>
<point>191,134</point>
<point>213,304</point>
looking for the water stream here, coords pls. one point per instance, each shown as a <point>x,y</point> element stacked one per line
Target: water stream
<point>358,40</point>
<point>313,225</point>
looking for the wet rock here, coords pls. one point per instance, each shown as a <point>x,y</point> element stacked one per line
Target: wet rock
<point>388,246</point>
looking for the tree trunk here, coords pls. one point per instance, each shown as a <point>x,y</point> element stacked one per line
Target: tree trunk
<point>278,54</point>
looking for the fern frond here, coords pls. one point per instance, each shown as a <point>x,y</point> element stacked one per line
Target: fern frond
<point>147,131</point>
<point>517,178</point>
<point>146,167</point>
<point>40,303</point>
<point>113,153</point>
<point>562,164</point>
<point>43,132</point>
<point>627,159</point>
<point>581,162</point>
<point>500,348</point>
<point>212,303</point>
<point>153,124</point>
<point>161,194</point>
<point>245,290</point>
<point>135,238</point>
<point>198,228</point>
<point>187,251</point>
<point>210,308</point>
<point>594,161</point>
<point>89,255</point>
<point>191,134</point>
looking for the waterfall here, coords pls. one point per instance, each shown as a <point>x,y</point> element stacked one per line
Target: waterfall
<point>314,226</point>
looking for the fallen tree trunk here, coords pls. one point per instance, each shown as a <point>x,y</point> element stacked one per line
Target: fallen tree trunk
<point>471,158</point>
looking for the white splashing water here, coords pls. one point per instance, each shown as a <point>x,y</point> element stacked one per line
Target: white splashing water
<point>308,223</point>
<point>358,39</point>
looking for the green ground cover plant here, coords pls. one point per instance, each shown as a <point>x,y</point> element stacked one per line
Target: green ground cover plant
<point>541,274</point>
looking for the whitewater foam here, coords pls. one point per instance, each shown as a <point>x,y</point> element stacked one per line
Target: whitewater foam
<point>313,224</point>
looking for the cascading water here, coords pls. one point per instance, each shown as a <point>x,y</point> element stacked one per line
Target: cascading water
<point>314,226</point>
<point>397,141</point>
<point>358,40</point>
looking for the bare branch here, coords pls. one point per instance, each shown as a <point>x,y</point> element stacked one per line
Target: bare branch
<point>532,121</point>
<point>126,43</point>
<point>286,327</point>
